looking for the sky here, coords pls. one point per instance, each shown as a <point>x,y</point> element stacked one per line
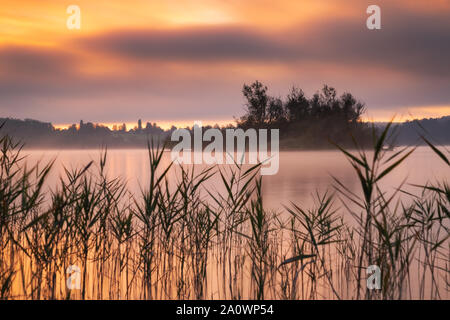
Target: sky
<point>180,61</point>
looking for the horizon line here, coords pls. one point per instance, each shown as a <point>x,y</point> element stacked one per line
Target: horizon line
<point>166,125</point>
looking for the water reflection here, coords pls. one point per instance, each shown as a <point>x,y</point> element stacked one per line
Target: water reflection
<point>301,173</point>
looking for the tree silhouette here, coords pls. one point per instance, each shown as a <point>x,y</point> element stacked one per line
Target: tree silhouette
<point>257,101</point>
<point>312,121</point>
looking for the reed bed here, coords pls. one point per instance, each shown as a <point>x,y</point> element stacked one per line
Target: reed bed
<point>180,240</point>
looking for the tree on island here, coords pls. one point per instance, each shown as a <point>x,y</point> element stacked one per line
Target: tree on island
<point>303,121</point>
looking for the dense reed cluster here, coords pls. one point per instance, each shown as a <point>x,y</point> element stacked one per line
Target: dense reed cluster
<point>178,239</point>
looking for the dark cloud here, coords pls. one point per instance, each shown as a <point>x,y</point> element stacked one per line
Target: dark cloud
<point>29,61</point>
<point>407,42</point>
<point>204,44</point>
<point>33,71</point>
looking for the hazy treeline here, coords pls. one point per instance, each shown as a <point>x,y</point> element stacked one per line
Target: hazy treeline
<point>409,132</point>
<point>304,123</point>
<point>84,135</point>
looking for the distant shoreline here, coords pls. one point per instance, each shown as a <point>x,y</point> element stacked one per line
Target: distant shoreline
<point>37,135</point>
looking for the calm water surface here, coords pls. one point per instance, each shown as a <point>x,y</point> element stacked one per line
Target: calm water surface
<point>300,175</point>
